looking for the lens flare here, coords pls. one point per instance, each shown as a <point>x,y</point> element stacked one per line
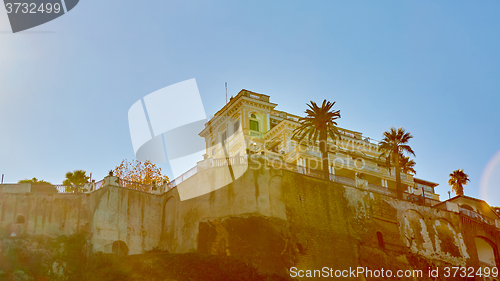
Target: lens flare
<point>490,181</point>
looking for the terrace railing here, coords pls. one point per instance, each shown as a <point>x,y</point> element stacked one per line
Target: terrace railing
<point>135,185</point>
<point>477,216</point>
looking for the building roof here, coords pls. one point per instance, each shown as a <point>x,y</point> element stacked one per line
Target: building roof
<point>458,197</point>
<point>424,182</point>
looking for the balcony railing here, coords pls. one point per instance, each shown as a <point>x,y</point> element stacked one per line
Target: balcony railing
<point>477,216</point>
<point>255,134</point>
<point>60,188</point>
<point>184,176</point>
<point>135,185</point>
<point>275,160</point>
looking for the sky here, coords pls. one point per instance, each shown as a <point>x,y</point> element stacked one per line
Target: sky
<point>432,67</point>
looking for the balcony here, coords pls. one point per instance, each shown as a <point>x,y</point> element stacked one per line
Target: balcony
<point>255,134</point>
<point>478,217</point>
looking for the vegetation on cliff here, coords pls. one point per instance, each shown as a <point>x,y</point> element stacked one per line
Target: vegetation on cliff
<point>64,258</point>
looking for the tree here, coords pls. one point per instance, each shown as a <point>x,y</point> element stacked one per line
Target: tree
<point>319,123</point>
<point>457,181</point>
<point>142,173</point>
<point>75,180</point>
<point>394,143</point>
<point>407,165</point>
<point>35,180</point>
<point>40,185</point>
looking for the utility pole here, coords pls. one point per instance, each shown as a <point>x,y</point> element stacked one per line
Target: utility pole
<point>2,178</point>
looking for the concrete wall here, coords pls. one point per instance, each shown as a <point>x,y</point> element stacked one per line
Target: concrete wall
<point>273,218</point>
<point>43,214</point>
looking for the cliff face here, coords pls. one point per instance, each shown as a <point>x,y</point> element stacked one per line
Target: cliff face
<point>275,219</point>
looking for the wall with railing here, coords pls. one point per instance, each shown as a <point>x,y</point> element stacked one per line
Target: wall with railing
<point>478,217</point>
<point>275,160</point>
<point>70,189</point>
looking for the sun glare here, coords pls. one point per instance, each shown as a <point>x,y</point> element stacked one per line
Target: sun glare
<point>490,178</point>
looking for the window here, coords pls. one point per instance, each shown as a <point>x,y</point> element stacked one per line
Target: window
<point>254,125</point>
<point>236,126</point>
<point>253,116</point>
<point>467,207</point>
<point>224,136</point>
<point>384,183</point>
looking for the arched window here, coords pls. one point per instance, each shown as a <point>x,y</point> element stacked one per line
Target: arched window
<point>467,207</point>
<point>20,219</point>
<point>254,123</point>
<point>120,248</point>
<point>380,239</point>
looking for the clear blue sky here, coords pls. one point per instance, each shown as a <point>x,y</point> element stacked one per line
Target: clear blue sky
<point>432,67</point>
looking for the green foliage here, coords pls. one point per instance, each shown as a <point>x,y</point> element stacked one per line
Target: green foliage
<point>34,257</point>
<point>34,180</point>
<point>25,258</point>
<point>107,267</point>
<point>319,124</point>
<point>395,142</point>
<point>407,164</point>
<point>392,147</point>
<point>72,252</point>
<point>192,266</point>
<point>75,180</point>
<point>457,181</point>
<point>156,250</point>
<point>65,258</point>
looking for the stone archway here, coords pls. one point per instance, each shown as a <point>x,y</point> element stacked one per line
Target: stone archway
<point>486,251</point>
<point>447,239</point>
<point>415,232</point>
<point>120,248</point>
<point>20,219</point>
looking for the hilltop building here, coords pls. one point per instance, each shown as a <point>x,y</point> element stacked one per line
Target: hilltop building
<point>280,214</point>
<point>249,122</point>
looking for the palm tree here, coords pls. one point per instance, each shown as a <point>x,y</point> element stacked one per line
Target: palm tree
<point>407,165</point>
<point>74,180</point>
<point>319,123</point>
<point>457,181</point>
<point>394,143</point>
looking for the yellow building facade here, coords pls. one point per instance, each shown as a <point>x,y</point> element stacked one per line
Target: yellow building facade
<point>250,124</point>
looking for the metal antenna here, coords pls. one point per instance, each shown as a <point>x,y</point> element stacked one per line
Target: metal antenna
<point>2,178</point>
<point>226,92</point>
